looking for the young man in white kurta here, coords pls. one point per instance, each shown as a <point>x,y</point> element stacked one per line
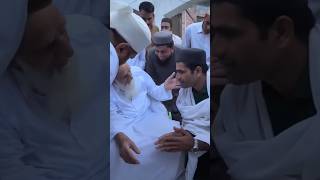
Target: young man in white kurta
<point>194,136</point>
<point>143,119</point>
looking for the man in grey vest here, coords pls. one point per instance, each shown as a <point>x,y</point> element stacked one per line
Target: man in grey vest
<point>161,64</point>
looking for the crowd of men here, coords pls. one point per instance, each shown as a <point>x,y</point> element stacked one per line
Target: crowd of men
<point>160,104</point>
<point>54,108</point>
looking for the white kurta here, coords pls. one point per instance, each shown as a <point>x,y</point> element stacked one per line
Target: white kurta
<point>196,119</point>
<point>139,60</point>
<point>177,40</point>
<point>143,120</point>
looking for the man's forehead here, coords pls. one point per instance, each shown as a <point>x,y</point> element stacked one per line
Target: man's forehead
<point>145,14</point>
<point>227,16</point>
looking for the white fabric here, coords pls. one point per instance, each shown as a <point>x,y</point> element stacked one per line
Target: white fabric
<point>195,38</point>
<point>13,15</point>
<point>143,120</point>
<point>114,63</point>
<point>208,81</point>
<point>139,60</point>
<point>94,8</point>
<point>196,119</point>
<point>45,146</point>
<point>129,25</point>
<point>177,40</point>
<point>244,134</point>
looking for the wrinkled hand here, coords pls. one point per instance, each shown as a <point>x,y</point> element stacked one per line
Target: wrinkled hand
<point>219,75</point>
<point>171,82</point>
<point>177,141</point>
<point>127,147</point>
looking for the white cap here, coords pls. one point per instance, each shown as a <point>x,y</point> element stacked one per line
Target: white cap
<point>13,15</point>
<point>129,25</point>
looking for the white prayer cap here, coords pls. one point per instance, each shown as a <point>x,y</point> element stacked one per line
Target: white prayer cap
<point>13,15</point>
<point>129,25</point>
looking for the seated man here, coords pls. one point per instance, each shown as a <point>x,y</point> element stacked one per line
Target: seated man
<point>52,109</point>
<point>136,99</point>
<point>193,103</point>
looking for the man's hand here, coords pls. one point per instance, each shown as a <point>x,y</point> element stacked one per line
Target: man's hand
<point>219,75</point>
<point>171,82</point>
<point>177,141</point>
<point>126,147</point>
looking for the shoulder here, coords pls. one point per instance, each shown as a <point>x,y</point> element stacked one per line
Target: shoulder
<point>194,26</point>
<point>137,71</point>
<point>237,95</point>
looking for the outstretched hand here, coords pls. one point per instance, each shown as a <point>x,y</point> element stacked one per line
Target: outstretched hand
<point>171,82</point>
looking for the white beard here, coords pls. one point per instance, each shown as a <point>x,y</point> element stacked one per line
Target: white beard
<point>65,89</point>
<point>129,90</point>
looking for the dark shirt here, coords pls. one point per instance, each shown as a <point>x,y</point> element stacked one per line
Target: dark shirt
<point>200,95</point>
<point>285,112</point>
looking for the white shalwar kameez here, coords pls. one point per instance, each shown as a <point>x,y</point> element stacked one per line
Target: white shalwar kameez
<point>143,120</point>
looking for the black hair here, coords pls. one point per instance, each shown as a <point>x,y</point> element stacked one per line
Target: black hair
<point>191,58</point>
<point>192,66</point>
<point>263,13</point>
<point>146,6</point>
<point>168,20</point>
<point>35,5</point>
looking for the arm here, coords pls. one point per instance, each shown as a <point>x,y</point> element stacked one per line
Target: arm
<point>186,40</point>
<point>124,143</point>
<point>160,92</point>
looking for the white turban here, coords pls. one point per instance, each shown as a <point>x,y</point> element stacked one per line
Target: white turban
<point>114,63</point>
<point>129,25</point>
<point>13,15</point>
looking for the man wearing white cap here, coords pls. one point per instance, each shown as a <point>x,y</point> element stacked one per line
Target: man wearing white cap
<point>268,123</point>
<point>197,35</point>
<point>52,126</point>
<point>129,34</point>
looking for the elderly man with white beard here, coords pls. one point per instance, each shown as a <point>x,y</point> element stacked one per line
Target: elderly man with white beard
<point>144,119</point>
<point>52,91</point>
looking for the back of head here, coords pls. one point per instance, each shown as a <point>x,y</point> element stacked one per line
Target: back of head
<point>146,6</point>
<point>192,57</point>
<point>263,14</point>
<point>129,26</point>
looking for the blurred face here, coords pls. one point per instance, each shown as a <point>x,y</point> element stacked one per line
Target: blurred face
<point>238,46</point>
<point>46,43</point>
<point>147,17</point>
<point>124,75</point>
<point>206,24</point>
<point>184,75</point>
<point>165,26</point>
<point>163,52</point>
